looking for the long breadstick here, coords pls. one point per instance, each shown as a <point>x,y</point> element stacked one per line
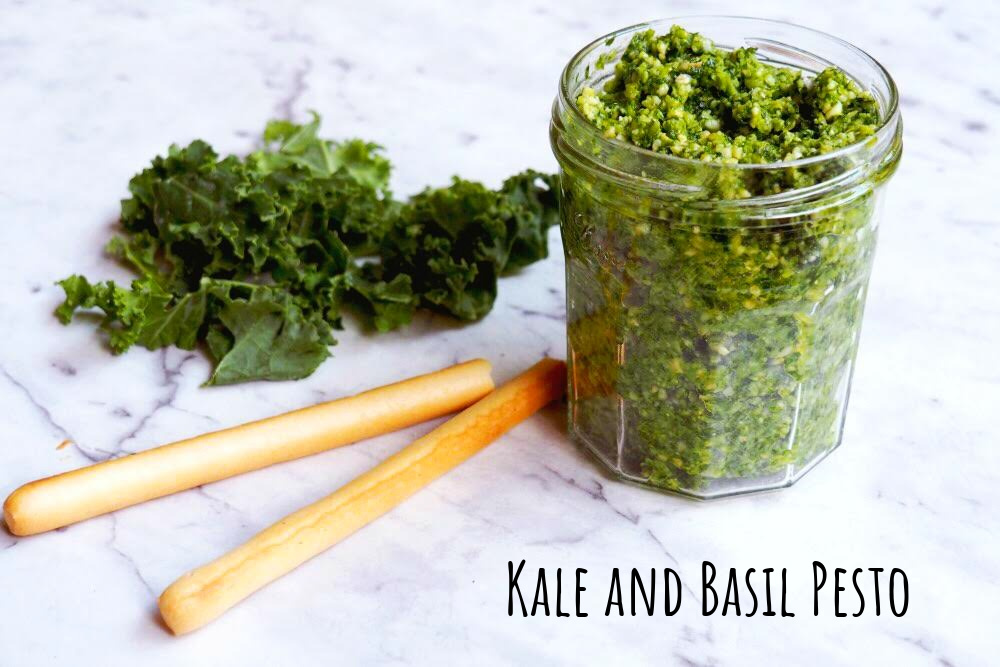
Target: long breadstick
<point>87,492</point>
<point>207,592</point>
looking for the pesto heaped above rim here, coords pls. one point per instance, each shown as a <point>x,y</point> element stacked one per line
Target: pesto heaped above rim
<point>679,95</point>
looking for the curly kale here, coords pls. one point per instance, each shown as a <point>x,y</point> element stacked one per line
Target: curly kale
<point>257,257</point>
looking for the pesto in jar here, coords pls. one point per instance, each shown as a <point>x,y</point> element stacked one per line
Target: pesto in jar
<point>677,94</point>
<point>711,338</point>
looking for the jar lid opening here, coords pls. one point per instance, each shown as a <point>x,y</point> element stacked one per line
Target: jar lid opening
<point>778,43</point>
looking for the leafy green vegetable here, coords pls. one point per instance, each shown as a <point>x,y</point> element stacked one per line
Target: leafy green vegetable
<point>257,257</point>
<point>454,242</point>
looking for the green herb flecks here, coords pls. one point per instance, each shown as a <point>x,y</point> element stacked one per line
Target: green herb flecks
<point>711,345</point>
<point>678,94</point>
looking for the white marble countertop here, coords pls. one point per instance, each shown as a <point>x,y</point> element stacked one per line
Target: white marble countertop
<point>90,91</point>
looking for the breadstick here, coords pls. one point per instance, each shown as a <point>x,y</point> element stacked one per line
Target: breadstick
<point>104,487</point>
<point>207,592</point>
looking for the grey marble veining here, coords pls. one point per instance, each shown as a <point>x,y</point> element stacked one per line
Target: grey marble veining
<point>90,91</point>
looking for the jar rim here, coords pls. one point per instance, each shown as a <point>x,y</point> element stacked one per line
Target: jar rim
<point>888,121</point>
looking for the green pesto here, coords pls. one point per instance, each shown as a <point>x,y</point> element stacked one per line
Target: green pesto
<point>677,94</point>
<point>716,346</point>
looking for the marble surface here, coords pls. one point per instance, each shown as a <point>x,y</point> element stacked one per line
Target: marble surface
<point>89,91</point>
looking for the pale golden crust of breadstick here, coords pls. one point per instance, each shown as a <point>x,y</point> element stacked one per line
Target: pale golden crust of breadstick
<point>104,487</point>
<point>204,594</point>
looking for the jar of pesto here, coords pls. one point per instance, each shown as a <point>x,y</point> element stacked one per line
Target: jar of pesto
<point>720,180</point>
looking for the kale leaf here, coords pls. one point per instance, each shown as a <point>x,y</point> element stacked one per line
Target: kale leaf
<point>455,242</point>
<point>257,257</point>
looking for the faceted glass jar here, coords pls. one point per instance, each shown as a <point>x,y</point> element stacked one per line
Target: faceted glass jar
<point>711,341</point>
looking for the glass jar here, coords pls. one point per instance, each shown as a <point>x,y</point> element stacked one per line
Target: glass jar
<point>711,340</point>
